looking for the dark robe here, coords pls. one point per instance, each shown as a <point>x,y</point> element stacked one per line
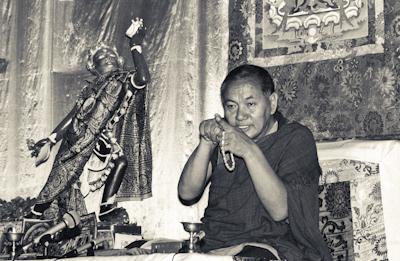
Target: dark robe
<point>236,215</point>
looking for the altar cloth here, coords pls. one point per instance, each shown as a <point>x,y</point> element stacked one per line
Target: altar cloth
<point>149,257</point>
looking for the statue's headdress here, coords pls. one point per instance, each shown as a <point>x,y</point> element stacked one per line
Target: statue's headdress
<point>90,65</point>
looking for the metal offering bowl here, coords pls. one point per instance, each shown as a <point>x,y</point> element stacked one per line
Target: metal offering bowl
<point>192,226</point>
<point>13,236</point>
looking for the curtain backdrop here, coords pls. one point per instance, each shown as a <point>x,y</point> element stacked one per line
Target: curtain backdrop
<point>45,43</point>
<point>25,92</point>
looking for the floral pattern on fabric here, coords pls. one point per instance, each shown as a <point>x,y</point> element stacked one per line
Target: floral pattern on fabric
<point>351,212</point>
<point>337,98</point>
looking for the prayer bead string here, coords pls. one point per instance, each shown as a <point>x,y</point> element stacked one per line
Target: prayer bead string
<point>225,155</point>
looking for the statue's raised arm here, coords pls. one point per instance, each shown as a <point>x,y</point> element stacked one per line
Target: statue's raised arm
<point>136,32</point>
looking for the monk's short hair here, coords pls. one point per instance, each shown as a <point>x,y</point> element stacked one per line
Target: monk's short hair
<point>253,73</point>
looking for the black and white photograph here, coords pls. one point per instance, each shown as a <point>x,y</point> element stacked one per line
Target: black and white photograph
<point>154,130</point>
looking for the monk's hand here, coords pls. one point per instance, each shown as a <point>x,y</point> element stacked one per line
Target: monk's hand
<point>210,131</point>
<point>234,140</point>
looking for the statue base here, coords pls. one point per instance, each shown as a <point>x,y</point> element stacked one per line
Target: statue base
<point>118,235</point>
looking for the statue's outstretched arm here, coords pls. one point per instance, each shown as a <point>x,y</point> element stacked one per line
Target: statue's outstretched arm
<point>41,149</point>
<point>62,127</point>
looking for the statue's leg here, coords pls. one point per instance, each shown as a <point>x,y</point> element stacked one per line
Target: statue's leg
<point>37,210</point>
<point>108,210</point>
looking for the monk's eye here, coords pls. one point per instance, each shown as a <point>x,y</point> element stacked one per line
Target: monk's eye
<point>230,106</point>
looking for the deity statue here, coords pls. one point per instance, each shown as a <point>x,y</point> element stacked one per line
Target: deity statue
<point>95,130</point>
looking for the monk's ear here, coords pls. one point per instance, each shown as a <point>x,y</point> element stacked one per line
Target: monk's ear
<point>273,99</point>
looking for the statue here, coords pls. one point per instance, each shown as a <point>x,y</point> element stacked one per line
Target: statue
<point>92,130</point>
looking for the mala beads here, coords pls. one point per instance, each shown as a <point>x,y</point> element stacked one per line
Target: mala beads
<point>229,166</point>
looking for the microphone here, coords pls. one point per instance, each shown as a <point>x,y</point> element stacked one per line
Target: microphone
<point>91,244</point>
<point>70,220</point>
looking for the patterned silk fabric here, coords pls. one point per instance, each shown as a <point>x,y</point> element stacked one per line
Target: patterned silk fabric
<point>351,211</point>
<point>339,87</point>
<point>97,104</point>
<point>136,144</point>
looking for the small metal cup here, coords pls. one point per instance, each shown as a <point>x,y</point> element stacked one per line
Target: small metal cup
<point>13,237</point>
<point>193,229</point>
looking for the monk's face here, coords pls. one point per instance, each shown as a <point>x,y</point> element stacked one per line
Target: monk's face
<point>105,60</point>
<point>247,107</point>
